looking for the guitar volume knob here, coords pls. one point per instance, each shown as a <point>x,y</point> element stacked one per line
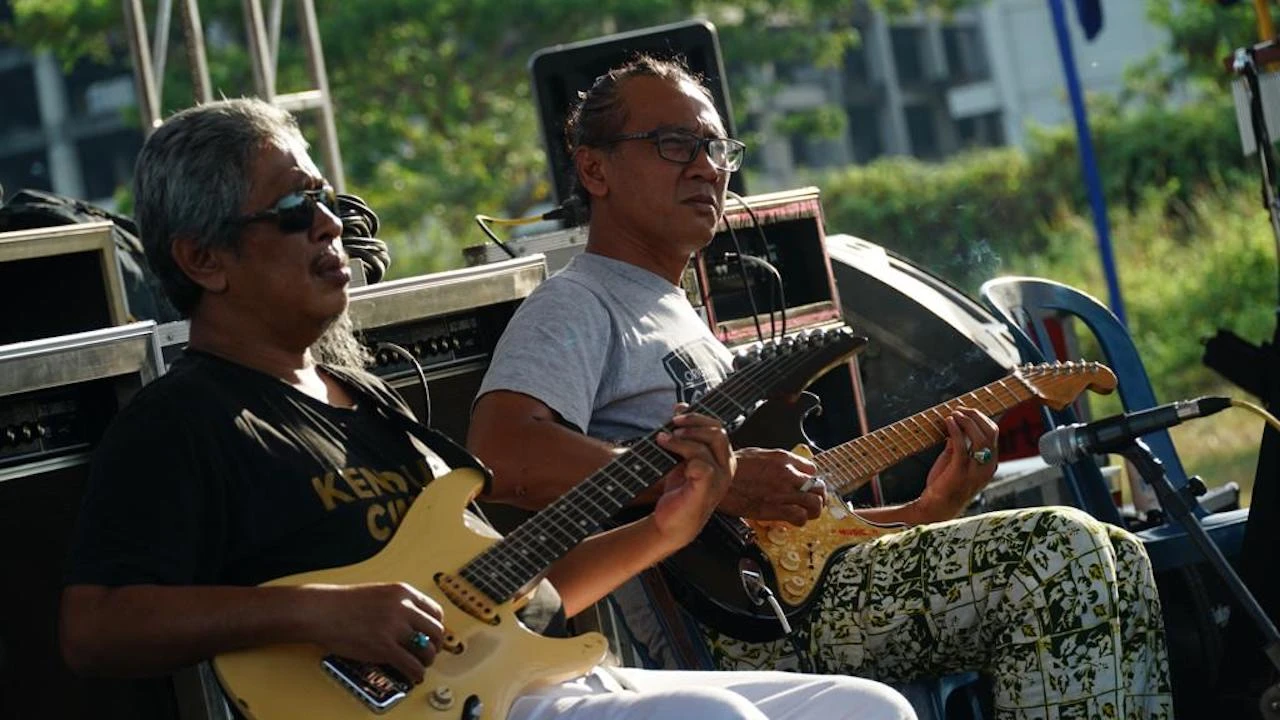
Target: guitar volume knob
<point>790,560</point>
<point>441,698</point>
<point>777,535</point>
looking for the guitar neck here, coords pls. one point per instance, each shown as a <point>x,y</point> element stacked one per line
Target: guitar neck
<point>521,557</point>
<point>848,466</point>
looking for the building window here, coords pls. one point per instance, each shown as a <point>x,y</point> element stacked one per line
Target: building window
<point>924,136</point>
<point>966,56</point>
<point>864,133</point>
<point>107,161</point>
<point>25,170</point>
<point>908,55</point>
<point>18,88</point>
<point>984,130</point>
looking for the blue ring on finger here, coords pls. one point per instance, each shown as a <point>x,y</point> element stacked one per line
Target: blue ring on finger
<point>982,456</point>
<point>420,640</point>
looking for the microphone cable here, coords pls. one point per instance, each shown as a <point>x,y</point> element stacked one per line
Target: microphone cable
<point>568,211</point>
<point>1257,410</point>
<point>422,375</point>
<point>764,249</point>
<point>746,280</point>
<point>777,283</point>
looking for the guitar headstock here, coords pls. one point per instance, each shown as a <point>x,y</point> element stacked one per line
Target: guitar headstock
<point>1057,384</point>
<point>797,360</point>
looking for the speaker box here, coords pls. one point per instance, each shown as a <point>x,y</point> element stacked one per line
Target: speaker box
<point>38,509</point>
<point>929,343</point>
<point>56,397</point>
<point>560,72</point>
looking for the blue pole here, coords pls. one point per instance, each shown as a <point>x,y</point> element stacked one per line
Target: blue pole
<point>1088,165</point>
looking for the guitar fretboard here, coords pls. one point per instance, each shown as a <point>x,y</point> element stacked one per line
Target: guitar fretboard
<point>845,466</point>
<point>514,562</point>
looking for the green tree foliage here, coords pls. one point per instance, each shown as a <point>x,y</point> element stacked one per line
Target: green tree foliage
<point>1201,35</point>
<point>434,109</point>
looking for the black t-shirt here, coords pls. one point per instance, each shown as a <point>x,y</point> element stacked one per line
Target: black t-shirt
<point>219,474</point>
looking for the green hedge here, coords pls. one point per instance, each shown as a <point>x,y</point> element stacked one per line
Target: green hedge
<point>961,217</point>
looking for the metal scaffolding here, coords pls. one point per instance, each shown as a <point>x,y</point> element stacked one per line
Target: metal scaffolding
<point>263,44</point>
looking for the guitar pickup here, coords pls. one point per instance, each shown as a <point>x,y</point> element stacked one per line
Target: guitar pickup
<point>378,687</point>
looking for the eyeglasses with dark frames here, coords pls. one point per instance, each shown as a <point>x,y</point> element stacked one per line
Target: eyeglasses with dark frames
<point>682,147</point>
<point>296,211</point>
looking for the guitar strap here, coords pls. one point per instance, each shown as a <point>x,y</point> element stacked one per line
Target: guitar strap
<point>683,636</point>
<point>453,454</point>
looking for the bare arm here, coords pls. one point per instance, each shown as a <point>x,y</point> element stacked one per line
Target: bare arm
<point>692,490</point>
<point>535,459</point>
<point>142,630</point>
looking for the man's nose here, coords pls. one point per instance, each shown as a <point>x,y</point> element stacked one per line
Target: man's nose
<point>329,222</point>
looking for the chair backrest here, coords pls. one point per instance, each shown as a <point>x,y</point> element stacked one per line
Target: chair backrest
<point>1024,303</point>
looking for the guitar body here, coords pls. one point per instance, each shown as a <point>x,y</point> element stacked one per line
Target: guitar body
<point>799,556</point>
<point>496,663</point>
<point>707,576</point>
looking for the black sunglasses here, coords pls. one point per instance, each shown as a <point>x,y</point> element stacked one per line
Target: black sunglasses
<point>296,211</point>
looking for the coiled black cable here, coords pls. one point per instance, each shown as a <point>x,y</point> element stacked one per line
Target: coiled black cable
<point>359,236</point>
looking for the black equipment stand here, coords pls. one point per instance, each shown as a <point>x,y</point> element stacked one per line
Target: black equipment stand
<point>1254,369</point>
<point>1177,504</point>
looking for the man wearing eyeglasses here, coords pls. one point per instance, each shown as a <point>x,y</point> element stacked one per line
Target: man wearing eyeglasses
<point>593,356</point>
<point>249,460</point>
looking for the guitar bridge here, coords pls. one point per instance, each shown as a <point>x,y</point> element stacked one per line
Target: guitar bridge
<point>378,687</point>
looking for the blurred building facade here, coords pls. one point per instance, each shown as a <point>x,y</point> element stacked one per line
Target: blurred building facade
<point>929,86</point>
<point>926,87</point>
<point>66,129</point>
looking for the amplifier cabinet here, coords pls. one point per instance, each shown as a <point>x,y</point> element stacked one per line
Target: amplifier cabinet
<point>57,395</point>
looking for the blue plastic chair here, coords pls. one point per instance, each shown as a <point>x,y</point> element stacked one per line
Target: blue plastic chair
<point>1024,304</point>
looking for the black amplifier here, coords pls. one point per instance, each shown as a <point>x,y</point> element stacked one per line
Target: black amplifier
<point>450,322</point>
<point>57,395</point>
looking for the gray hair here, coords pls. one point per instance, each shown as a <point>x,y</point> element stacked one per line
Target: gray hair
<point>192,176</point>
<point>600,114</point>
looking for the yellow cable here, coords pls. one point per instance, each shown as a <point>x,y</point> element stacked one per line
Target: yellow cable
<point>1271,419</point>
<point>509,221</point>
<point>1265,28</point>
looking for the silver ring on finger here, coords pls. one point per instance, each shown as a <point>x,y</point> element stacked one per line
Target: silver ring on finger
<point>982,456</point>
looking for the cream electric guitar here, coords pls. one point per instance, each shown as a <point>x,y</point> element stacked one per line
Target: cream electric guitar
<point>489,657</point>
<point>707,576</point>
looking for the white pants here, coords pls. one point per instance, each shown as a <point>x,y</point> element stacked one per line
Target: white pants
<point>738,695</point>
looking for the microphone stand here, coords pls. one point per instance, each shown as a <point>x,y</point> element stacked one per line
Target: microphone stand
<point>1177,503</point>
<point>1253,368</point>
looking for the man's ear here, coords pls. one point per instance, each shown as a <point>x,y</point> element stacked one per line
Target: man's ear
<point>202,265</point>
<point>590,166</point>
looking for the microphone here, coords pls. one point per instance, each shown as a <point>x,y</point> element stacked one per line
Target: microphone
<point>1070,443</point>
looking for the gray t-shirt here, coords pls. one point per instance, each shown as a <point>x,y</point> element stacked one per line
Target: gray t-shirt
<point>612,347</point>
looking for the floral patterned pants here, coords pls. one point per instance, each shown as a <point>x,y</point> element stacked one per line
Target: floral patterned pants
<point>1058,609</point>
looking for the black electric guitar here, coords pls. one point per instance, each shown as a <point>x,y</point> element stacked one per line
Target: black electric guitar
<point>718,577</point>
<point>488,658</point>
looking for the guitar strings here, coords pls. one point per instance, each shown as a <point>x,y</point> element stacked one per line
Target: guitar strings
<point>509,565</point>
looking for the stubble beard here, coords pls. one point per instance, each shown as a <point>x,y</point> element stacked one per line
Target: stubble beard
<point>338,345</point>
